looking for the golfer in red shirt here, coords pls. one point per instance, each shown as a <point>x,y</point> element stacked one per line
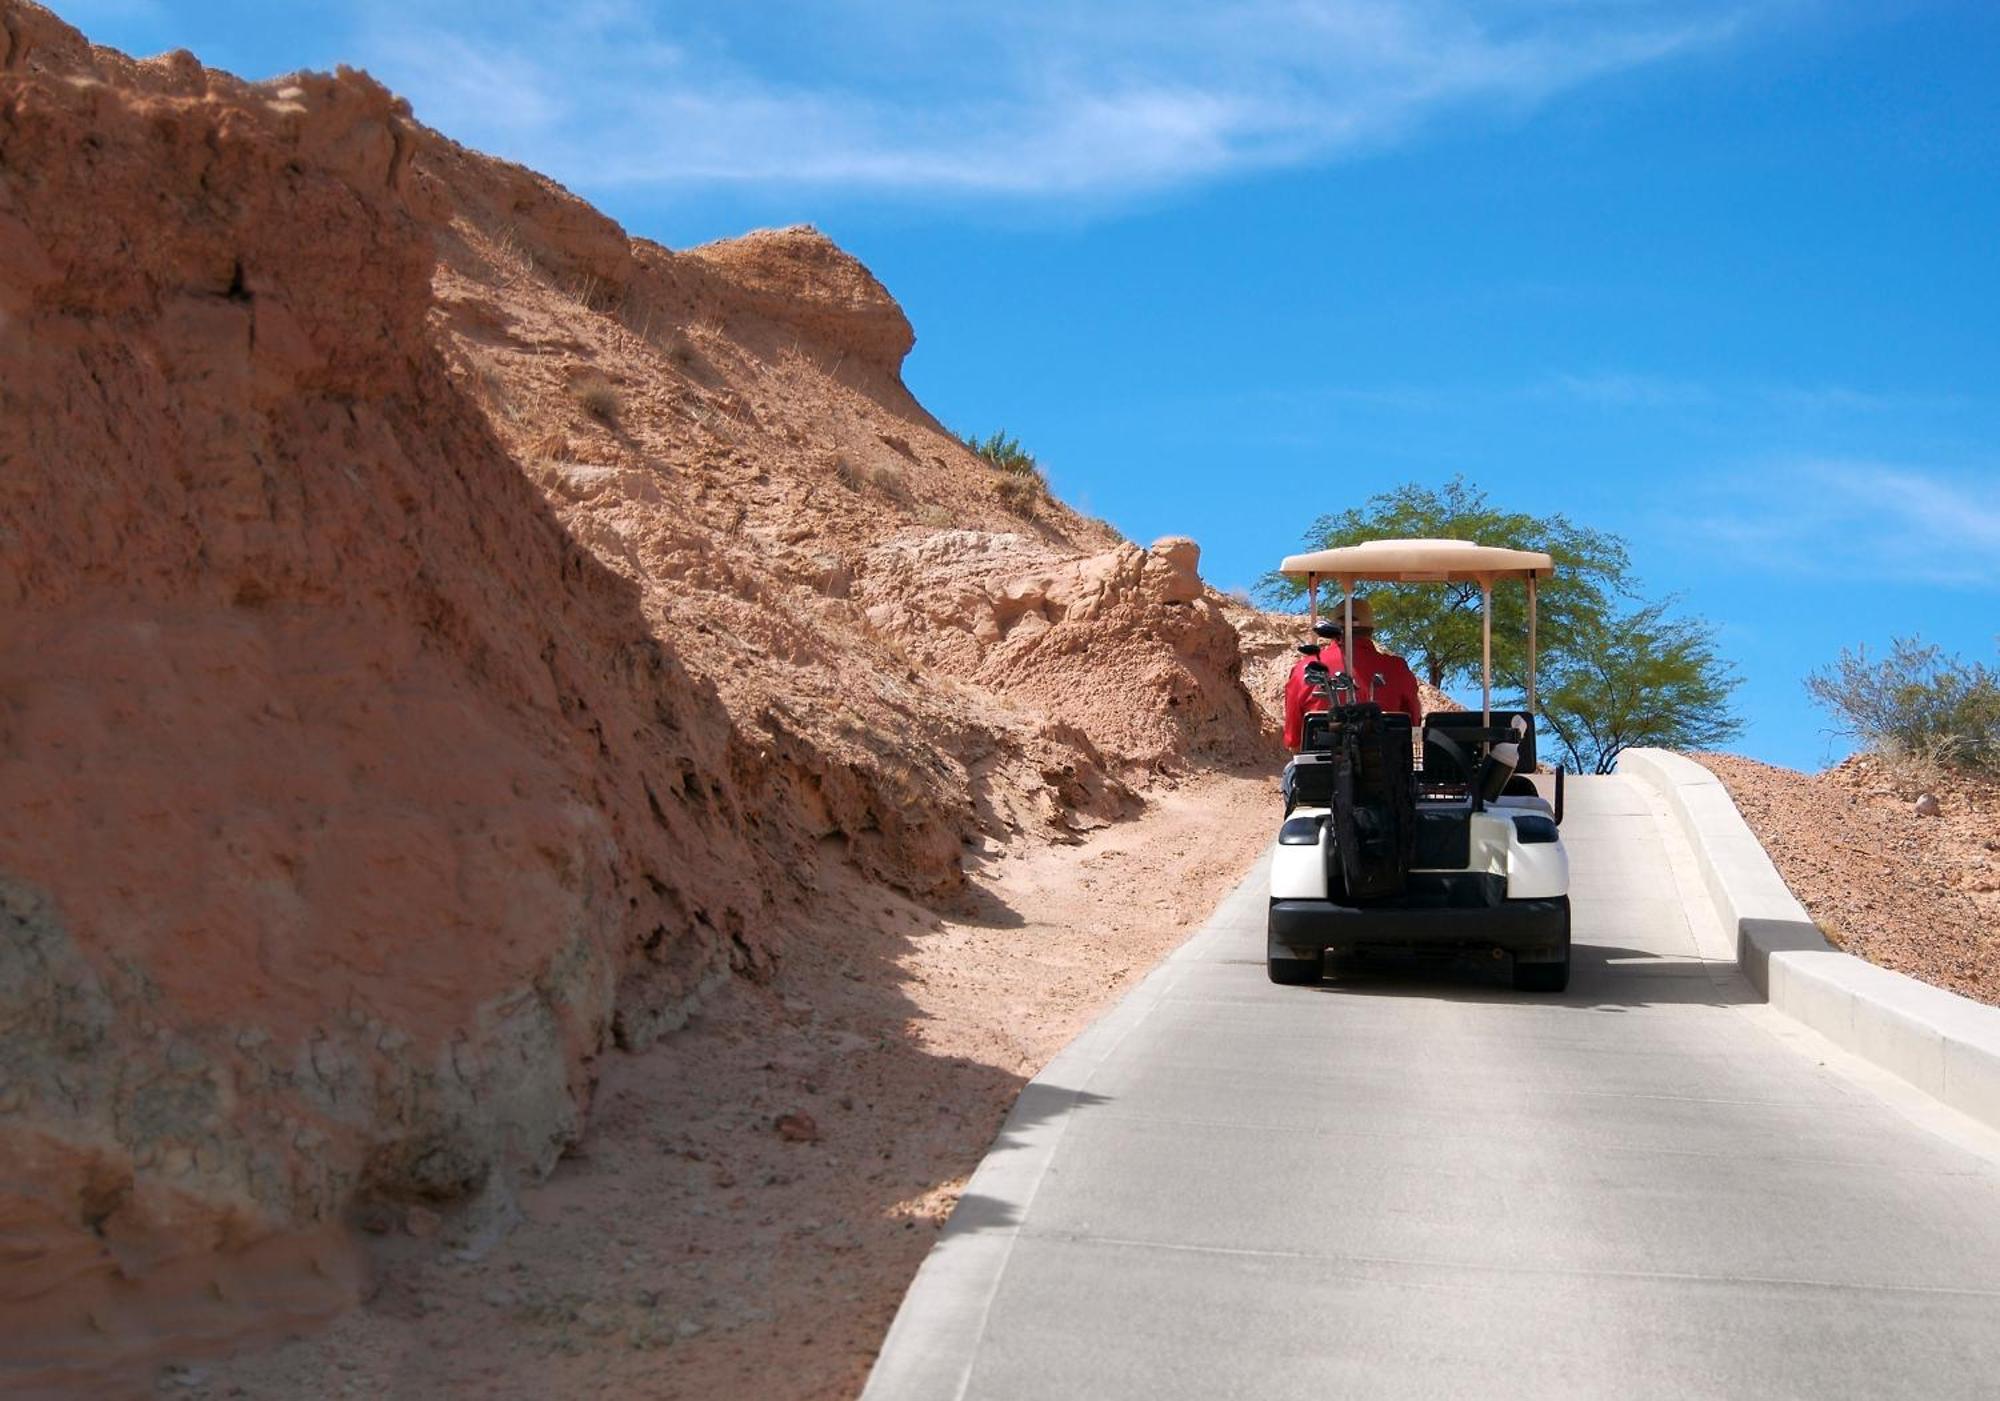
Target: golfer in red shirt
<point>1382,677</point>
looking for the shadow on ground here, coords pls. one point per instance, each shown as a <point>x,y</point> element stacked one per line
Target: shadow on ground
<point>1602,978</point>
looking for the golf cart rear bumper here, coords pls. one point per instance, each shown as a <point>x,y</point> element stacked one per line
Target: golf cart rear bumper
<point>1532,930</point>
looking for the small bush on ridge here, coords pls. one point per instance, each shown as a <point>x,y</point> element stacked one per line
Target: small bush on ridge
<point>1022,495</point>
<point>1916,703</point>
<point>1004,452</point>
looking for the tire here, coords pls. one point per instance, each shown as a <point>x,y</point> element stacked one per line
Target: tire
<point>1542,977</point>
<point>1546,977</point>
<point>1292,972</point>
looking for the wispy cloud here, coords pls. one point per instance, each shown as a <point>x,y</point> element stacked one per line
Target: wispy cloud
<point>1037,98</point>
<point>1624,389</point>
<point>1867,523</point>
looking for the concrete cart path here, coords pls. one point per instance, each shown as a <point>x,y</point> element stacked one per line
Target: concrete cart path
<point>1421,1183</point>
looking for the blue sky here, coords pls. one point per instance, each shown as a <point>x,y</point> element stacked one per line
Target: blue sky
<point>1720,275</point>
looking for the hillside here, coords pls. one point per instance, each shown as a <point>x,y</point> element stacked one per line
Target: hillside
<point>443,638</point>
<point>1916,892</point>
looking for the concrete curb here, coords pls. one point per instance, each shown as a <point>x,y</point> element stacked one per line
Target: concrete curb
<point>1946,1045</point>
<point>929,1348</point>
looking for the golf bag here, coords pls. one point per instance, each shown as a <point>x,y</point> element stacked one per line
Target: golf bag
<point>1374,803</point>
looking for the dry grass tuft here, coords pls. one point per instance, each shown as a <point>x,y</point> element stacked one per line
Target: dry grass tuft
<point>890,481</point>
<point>1021,493</point>
<point>600,398</point>
<point>553,446</point>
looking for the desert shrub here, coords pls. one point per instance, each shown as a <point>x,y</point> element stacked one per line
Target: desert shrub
<point>890,481</point>
<point>1023,495</point>
<point>678,348</point>
<point>599,398</point>
<point>1004,452</point>
<point>1916,703</point>
<point>1022,488</point>
<point>846,473</point>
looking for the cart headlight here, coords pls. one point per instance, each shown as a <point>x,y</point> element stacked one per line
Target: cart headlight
<point>1534,827</point>
<point>1300,831</point>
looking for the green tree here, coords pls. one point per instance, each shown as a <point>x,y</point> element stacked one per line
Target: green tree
<point>1436,626</point>
<point>1636,678</point>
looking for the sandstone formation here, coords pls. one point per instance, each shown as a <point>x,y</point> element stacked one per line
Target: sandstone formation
<point>441,637</point>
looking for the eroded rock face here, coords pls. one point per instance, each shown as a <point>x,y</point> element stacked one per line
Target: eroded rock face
<point>1126,646</point>
<point>441,638</point>
<point>325,837</point>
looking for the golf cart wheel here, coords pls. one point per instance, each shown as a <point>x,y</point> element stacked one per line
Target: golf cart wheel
<point>1542,977</point>
<point>1547,977</point>
<point>1292,972</point>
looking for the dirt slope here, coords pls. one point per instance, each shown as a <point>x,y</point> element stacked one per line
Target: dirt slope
<point>442,637</point>
<point>1916,893</point>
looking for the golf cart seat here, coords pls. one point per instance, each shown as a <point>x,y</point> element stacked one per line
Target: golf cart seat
<point>1468,730</point>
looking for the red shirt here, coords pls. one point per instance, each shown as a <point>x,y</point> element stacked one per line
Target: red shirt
<point>1398,690</point>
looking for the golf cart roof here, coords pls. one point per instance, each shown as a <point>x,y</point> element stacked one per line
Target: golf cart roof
<point>1419,562</point>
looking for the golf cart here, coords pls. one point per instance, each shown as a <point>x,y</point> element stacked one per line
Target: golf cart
<point>1459,855</point>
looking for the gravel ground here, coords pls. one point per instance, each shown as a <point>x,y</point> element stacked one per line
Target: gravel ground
<point>1919,894</point>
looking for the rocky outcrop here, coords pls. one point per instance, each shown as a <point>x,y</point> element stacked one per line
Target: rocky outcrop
<point>799,278</point>
<point>1127,646</point>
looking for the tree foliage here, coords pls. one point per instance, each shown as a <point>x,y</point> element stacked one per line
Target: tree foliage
<point>1639,677</point>
<point>1613,673</point>
<point>1436,626</point>
<point>1916,702</point>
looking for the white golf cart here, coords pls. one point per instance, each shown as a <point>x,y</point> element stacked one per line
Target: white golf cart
<point>1461,855</point>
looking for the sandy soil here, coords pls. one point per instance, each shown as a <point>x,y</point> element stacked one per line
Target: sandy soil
<point>757,1190</point>
<point>1914,893</point>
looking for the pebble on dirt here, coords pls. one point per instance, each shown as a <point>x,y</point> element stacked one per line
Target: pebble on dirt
<point>797,1128</point>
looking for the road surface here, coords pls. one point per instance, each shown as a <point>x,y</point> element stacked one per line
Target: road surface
<point>1421,1183</point>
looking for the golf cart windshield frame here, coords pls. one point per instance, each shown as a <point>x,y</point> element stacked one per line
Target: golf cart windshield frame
<point>1427,562</point>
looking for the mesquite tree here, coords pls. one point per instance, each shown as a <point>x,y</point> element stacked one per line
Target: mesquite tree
<point>1435,627</point>
<point>1614,673</point>
<point>1637,678</point>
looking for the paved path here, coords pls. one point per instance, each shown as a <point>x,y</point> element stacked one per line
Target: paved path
<point>1425,1184</point>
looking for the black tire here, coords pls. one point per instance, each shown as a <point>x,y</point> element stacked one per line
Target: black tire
<point>1292,972</point>
<point>1546,977</point>
<point>1542,977</point>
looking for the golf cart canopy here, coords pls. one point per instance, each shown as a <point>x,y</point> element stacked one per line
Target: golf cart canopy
<point>1427,562</point>
<point>1419,562</point>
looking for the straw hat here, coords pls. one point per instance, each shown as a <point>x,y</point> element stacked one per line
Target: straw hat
<point>1364,616</point>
